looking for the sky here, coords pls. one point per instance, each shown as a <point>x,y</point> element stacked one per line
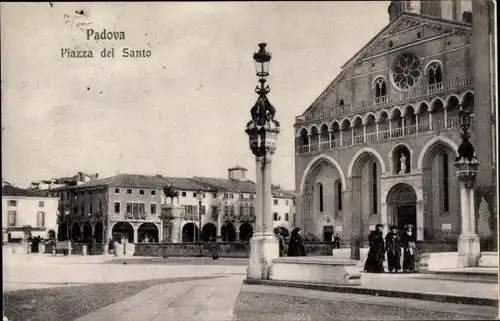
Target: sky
<point>180,112</point>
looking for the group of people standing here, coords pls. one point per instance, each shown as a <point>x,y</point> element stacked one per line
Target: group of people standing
<point>393,244</point>
<point>295,246</point>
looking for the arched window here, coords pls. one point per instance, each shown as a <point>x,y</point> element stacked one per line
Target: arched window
<point>231,210</point>
<point>242,210</point>
<point>341,102</point>
<point>293,218</point>
<point>252,211</point>
<point>380,88</point>
<point>339,195</point>
<point>374,188</point>
<point>435,75</point>
<point>304,137</point>
<point>286,217</point>
<point>226,210</point>
<point>321,197</point>
<point>445,182</point>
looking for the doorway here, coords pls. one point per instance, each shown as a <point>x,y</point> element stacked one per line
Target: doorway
<point>406,214</point>
<point>327,233</point>
<point>402,204</point>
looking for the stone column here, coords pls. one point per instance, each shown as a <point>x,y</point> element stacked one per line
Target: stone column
<point>364,133</point>
<point>420,221</point>
<point>176,212</point>
<point>340,130</point>
<point>377,128</point>
<point>259,223</point>
<point>416,122</point>
<point>136,228</point>
<point>389,120</point>
<point>469,250</point>
<point>384,217</point>
<point>218,237</point>
<point>356,237</point>
<point>319,140</point>
<point>430,119</point>
<point>267,197</point>
<point>445,117</point>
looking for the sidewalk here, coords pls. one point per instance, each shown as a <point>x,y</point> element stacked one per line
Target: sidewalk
<point>429,287</point>
<point>471,310</point>
<point>213,300</point>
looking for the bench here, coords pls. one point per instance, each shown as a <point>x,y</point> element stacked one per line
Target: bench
<point>64,247</point>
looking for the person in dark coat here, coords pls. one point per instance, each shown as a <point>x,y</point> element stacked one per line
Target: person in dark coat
<point>281,241</point>
<point>409,249</point>
<point>336,241</point>
<point>393,244</point>
<point>296,246</point>
<point>376,255</point>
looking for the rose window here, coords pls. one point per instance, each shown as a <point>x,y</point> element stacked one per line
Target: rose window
<point>405,71</point>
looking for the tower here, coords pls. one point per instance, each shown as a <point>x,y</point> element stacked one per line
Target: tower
<point>458,10</point>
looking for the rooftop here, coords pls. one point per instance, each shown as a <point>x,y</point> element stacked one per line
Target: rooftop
<point>9,190</point>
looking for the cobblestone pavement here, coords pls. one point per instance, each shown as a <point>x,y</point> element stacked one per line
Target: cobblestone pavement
<point>266,303</point>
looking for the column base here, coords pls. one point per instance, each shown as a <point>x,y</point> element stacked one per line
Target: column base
<point>218,238</point>
<point>263,249</point>
<point>355,249</point>
<point>469,250</point>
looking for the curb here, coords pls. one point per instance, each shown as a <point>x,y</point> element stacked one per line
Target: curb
<point>386,293</point>
<point>490,276</point>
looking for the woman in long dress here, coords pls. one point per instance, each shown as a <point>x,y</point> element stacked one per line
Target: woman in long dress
<point>296,246</point>
<point>409,249</point>
<point>376,255</point>
<point>393,244</point>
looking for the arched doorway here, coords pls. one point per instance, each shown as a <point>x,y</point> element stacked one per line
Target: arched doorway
<point>246,232</point>
<point>148,233</point>
<point>440,189</point>
<point>228,232</point>
<point>402,205</point>
<point>365,171</point>
<point>189,232</point>
<point>98,231</point>
<point>209,232</point>
<point>318,183</point>
<point>123,230</point>
<point>87,232</point>
<point>76,232</point>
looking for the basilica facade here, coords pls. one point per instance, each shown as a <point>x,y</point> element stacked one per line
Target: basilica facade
<point>378,145</point>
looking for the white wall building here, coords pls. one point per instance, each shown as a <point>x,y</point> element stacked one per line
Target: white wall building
<point>24,211</point>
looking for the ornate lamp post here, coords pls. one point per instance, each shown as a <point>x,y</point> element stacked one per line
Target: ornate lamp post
<point>466,164</point>
<point>199,195</point>
<point>262,131</point>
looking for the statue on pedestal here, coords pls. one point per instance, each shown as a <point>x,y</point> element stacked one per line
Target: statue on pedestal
<point>171,192</point>
<point>403,164</point>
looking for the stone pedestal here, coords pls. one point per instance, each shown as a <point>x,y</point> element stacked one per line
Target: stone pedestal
<point>323,270</point>
<point>84,250</point>
<point>176,213</point>
<point>469,250</point>
<point>263,250</point>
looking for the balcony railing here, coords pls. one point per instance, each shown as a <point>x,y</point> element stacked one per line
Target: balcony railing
<point>395,97</point>
<point>229,217</point>
<point>247,217</point>
<point>425,127</point>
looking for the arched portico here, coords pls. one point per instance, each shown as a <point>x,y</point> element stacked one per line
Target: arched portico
<point>122,231</point>
<point>209,232</point>
<point>148,233</point>
<point>318,187</point>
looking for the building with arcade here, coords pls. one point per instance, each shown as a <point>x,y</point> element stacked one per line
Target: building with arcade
<point>131,207</point>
